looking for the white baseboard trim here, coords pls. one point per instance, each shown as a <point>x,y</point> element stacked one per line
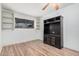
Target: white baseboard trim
<point>0,49</point>
<point>17,42</point>
<point>72,49</point>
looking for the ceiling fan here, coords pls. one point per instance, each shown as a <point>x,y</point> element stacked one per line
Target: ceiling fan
<point>55,6</point>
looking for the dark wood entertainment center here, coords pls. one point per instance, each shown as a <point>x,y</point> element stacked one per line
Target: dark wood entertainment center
<point>53,32</point>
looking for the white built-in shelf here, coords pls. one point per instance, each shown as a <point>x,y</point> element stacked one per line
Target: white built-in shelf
<point>7,19</point>
<point>38,24</point>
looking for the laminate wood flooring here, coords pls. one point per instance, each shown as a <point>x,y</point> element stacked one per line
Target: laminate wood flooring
<point>36,48</point>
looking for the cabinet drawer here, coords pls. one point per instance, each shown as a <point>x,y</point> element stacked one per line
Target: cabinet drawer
<point>52,41</point>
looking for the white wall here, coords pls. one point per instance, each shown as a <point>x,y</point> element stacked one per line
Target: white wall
<point>21,35</point>
<point>70,25</point>
<point>41,28</point>
<point>0,28</point>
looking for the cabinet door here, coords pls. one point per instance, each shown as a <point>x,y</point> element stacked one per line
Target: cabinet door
<point>52,41</point>
<point>58,42</point>
<point>46,29</point>
<point>45,38</point>
<point>48,40</point>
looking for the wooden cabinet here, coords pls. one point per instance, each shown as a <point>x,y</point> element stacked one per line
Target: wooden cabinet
<point>53,32</point>
<point>53,40</point>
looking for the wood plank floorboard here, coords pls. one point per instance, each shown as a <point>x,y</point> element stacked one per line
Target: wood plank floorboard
<point>36,48</point>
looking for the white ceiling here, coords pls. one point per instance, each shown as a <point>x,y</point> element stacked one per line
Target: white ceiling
<point>34,9</point>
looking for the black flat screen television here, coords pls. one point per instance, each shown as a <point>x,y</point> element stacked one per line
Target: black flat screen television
<point>24,23</point>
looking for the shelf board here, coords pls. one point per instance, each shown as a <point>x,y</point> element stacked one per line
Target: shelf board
<point>7,12</point>
<point>53,35</point>
<point>7,28</point>
<point>6,23</point>
<point>7,17</point>
<point>3,8</point>
<point>52,22</point>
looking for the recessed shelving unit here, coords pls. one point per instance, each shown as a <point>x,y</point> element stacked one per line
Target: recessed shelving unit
<point>7,19</point>
<point>38,24</point>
